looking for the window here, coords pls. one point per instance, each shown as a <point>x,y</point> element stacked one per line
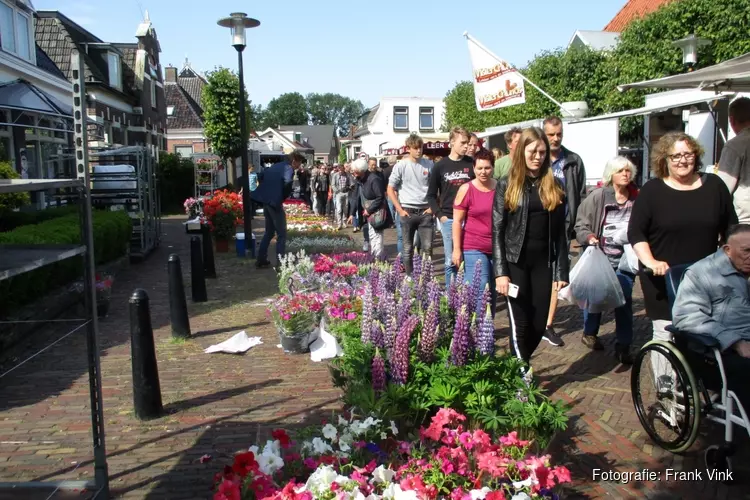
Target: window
<point>400,118</point>
<point>16,32</point>
<point>170,110</point>
<point>184,151</point>
<point>153,94</point>
<point>426,118</point>
<point>115,70</point>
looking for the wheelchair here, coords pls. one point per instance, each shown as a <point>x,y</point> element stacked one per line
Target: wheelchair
<point>670,384</point>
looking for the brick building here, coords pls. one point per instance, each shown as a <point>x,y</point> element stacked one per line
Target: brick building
<point>126,104</point>
<point>184,112</point>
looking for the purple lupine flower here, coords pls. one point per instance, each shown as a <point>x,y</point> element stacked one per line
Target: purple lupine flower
<point>377,334</point>
<point>430,332</point>
<point>427,268</point>
<point>452,289</point>
<point>473,331</point>
<point>378,372</point>
<point>486,334</point>
<point>460,343</point>
<point>473,290</point>
<point>400,352</point>
<point>485,301</point>
<point>389,320</point>
<point>374,278</point>
<point>382,284</point>
<point>417,267</point>
<point>404,300</point>
<point>367,314</point>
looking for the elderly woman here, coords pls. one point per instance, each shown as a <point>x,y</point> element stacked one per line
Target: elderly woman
<point>370,199</point>
<point>679,218</point>
<point>602,220</point>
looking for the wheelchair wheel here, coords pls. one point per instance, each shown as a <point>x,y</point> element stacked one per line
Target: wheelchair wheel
<point>716,458</point>
<point>665,396</point>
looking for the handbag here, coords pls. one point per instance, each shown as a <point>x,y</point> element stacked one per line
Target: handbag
<point>379,219</point>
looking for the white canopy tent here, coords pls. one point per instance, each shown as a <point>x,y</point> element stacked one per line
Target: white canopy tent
<point>732,75</point>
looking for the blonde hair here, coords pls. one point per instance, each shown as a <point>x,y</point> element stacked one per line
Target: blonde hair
<point>455,131</point>
<point>614,166</point>
<point>660,152</point>
<point>496,153</point>
<point>549,191</point>
<point>414,141</point>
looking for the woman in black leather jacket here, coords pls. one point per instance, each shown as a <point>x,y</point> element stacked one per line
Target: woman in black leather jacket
<point>529,241</point>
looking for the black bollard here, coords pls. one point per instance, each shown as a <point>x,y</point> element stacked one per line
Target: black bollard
<point>197,278</point>
<point>209,267</point>
<point>178,313</point>
<point>146,390</point>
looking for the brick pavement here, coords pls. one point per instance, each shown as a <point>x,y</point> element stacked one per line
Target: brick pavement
<point>217,404</point>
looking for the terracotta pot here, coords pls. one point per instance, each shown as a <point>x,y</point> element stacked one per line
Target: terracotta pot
<point>222,246</point>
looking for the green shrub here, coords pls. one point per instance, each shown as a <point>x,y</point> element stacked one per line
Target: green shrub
<point>10,220</point>
<point>10,201</point>
<point>176,181</point>
<point>112,231</point>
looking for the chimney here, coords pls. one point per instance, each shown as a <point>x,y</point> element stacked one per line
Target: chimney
<point>171,74</point>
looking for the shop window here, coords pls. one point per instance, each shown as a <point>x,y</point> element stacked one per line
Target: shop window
<point>426,118</point>
<point>400,118</point>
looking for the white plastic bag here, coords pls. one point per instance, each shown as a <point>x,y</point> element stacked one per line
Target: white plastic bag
<point>629,261</point>
<point>325,346</point>
<point>593,283</point>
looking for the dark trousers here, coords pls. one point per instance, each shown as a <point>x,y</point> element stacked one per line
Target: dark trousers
<point>322,197</point>
<point>416,222</point>
<point>528,311</point>
<point>275,225</point>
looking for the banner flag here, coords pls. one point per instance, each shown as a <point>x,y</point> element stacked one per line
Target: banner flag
<point>497,84</point>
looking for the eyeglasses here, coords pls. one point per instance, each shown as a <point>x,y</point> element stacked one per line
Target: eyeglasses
<point>679,156</point>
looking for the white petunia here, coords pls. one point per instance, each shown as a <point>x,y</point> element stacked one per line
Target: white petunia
<point>344,446</point>
<point>394,429</point>
<point>521,496</point>
<point>356,428</point>
<point>320,447</point>
<point>269,463</point>
<point>382,475</point>
<point>394,492</point>
<point>479,494</point>
<point>330,432</point>
<point>383,435</point>
<point>523,484</point>
<point>272,447</point>
<point>322,478</point>
<point>254,449</point>
<point>342,421</point>
<point>306,446</point>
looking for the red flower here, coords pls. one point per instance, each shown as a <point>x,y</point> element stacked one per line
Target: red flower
<point>244,463</point>
<point>228,490</point>
<point>282,437</point>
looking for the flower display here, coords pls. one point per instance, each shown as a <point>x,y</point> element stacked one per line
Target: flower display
<point>193,207</point>
<point>223,210</point>
<point>298,313</point>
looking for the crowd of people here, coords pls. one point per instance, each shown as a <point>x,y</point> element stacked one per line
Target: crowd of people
<point>515,215</point>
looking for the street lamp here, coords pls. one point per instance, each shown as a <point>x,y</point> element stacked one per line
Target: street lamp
<point>238,23</point>
<point>690,46</point>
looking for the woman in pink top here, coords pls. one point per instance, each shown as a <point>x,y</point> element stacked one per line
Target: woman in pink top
<point>472,224</point>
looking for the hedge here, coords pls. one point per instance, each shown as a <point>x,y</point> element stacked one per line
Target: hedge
<point>112,232</point>
<point>10,220</point>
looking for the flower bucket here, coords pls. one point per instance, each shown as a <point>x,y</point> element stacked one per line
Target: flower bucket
<point>222,246</point>
<point>297,343</point>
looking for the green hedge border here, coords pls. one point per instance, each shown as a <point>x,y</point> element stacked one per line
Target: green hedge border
<point>10,220</point>
<point>112,232</point>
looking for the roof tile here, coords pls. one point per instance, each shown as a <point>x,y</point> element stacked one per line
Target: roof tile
<point>632,10</point>
<point>184,115</point>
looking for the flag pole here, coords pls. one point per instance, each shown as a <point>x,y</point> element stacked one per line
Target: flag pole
<point>491,54</point>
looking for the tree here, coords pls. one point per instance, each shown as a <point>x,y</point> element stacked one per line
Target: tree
<point>220,101</point>
<point>342,155</point>
<point>287,109</point>
<point>334,109</point>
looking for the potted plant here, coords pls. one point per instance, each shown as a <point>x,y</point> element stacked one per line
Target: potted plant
<point>192,208</point>
<point>223,212</point>
<point>296,318</point>
<point>103,294</point>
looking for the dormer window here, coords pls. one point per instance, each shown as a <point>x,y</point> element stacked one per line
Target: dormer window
<point>16,32</point>
<point>170,110</point>
<point>115,70</point>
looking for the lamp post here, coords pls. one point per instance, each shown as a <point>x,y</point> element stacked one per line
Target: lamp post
<point>239,23</point>
<point>690,46</point>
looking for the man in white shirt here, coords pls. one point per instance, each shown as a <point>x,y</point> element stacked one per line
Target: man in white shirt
<point>734,167</point>
<point>407,190</point>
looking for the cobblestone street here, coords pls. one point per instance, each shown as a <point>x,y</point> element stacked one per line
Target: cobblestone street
<point>218,404</point>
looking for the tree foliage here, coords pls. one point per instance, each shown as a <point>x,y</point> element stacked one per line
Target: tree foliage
<point>220,101</point>
<point>342,155</point>
<point>644,52</point>
<point>287,109</point>
<point>334,109</point>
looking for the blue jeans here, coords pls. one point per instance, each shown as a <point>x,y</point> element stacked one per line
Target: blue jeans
<point>623,314</point>
<point>275,224</point>
<point>473,258</point>
<point>397,223</point>
<point>446,229</point>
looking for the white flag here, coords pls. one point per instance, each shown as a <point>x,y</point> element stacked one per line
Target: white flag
<point>497,84</point>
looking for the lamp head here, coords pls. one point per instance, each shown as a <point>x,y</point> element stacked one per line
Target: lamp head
<point>238,23</point>
<point>690,46</point>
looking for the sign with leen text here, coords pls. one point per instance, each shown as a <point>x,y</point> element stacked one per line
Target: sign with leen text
<point>497,84</point>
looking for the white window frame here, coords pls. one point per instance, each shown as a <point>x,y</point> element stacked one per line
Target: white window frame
<point>153,94</point>
<point>183,146</point>
<point>401,111</point>
<point>115,81</point>
<point>31,42</point>
<point>427,111</point>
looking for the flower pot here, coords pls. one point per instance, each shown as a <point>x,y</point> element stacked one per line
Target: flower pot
<point>222,245</point>
<point>298,343</point>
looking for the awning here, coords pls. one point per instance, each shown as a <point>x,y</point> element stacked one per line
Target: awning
<point>24,96</point>
<point>732,75</point>
<point>501,129</point>
<point>653,108</point>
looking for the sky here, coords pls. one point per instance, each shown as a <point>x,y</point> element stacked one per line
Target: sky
<point>363,50</point>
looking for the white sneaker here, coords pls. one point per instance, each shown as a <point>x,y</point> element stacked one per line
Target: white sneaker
<point>366,247</point>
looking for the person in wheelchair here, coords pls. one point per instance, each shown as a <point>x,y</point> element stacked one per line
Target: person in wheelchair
<point>713,299</point>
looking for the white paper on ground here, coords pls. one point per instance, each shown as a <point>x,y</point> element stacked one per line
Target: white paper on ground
<point>240,342</point>
<point>325,346</point>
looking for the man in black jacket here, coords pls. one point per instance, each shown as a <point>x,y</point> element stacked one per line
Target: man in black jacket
<point>568,168</point>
